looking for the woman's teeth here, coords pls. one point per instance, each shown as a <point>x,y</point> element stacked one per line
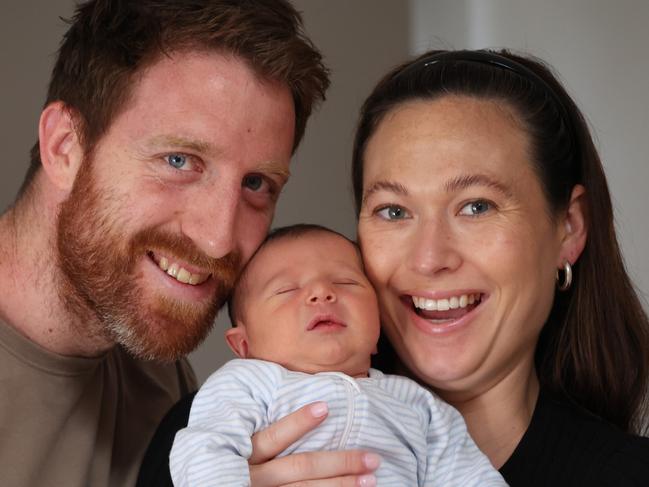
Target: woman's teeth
<point>454,302</point>
<point>181,274</point>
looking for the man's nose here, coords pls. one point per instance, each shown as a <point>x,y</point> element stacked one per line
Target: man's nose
<point>211,220</point>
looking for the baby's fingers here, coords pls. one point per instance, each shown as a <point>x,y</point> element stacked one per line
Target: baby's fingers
<point>273,440</point>
<point>335,468</point>
<point>351,481</point>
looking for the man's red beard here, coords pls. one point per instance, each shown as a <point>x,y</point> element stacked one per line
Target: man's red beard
<point>99,285</point>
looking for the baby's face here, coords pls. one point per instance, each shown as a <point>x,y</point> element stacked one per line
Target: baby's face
<point>307,305</point>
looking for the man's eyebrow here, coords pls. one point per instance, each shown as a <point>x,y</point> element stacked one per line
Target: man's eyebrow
<point>178,141</point>
<point>270,167</point>
<point>276,168</point>
<point>389,186</point>
<point>466,181</point>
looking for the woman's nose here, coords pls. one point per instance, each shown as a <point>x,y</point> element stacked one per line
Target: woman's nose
<point>320,293</point>
<point>434,248</point>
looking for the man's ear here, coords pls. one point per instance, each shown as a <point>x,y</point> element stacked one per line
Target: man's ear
<point>60,147</point>
<point>237,339</point>
<point>575,227</point>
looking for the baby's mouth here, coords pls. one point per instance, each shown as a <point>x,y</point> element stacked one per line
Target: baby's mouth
<point>325,321</point>
<point>177,271</point>
<point>446,309</point>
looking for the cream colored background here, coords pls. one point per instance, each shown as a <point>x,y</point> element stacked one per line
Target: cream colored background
<point>598,46</point>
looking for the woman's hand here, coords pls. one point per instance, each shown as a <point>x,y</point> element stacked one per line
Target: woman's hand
<point>351,468</point>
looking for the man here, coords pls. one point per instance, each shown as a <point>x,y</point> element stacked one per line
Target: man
<point>163,145</point>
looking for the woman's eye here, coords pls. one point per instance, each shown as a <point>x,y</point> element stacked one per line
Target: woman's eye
<point>476,208</point>
<point>177,161</point>
<point>392,212</point>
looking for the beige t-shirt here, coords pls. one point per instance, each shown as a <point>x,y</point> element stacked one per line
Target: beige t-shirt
<point>77,422</point>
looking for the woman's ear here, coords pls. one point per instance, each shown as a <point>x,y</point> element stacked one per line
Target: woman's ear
<point>60,147</point>
<point>237,339</point>
<point>575,227</point>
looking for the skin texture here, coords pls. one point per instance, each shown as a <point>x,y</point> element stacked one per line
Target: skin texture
<point>452,206</point>
<point>307,305</point>
<point>190,171</point>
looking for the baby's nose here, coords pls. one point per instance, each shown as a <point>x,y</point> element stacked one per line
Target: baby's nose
<point>322,294</point>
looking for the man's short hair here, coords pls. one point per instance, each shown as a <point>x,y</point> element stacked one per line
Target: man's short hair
<point>281,233</point>
<point>110,41</point>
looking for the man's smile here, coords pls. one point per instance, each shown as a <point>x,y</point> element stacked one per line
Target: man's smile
<point>180,271</point>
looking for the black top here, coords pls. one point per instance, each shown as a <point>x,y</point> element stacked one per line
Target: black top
<point>154,471</point>
<point>568,446</point>
<point>564,446</point>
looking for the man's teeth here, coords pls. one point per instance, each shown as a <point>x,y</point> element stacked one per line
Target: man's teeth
<point>453,302</point>
<point>181,274</point>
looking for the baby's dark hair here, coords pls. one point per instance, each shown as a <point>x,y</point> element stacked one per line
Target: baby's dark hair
<point>281,233</point>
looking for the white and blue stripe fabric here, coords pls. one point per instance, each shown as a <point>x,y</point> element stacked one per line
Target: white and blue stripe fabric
<point>422,440</point>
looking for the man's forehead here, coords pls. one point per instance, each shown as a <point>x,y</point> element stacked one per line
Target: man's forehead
<point>214,105</point>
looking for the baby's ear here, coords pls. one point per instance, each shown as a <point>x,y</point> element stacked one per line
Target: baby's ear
<point>237,339</point>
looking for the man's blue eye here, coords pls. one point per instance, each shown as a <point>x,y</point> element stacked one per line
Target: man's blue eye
<point>177,160</point>
<point>253,182</point>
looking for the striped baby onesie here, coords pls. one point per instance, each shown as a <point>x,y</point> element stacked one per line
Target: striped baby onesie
<point>422,440</point>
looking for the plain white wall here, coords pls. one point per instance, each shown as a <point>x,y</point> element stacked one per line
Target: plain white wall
<point>599,48</point>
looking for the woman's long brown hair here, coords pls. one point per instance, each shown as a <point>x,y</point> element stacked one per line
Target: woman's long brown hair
<point>594,348</point>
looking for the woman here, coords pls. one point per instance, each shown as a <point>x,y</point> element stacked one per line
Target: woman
<point>475,176</point>
<point>486,226</point>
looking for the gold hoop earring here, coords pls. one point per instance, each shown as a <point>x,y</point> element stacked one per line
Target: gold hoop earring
<point>567,277</point>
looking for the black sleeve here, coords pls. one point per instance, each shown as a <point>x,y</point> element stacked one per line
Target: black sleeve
<point>154,471</point>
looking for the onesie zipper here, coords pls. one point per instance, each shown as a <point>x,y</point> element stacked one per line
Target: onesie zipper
<point>352,388</point>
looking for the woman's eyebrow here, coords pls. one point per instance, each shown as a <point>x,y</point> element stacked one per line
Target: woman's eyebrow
<point>389,186</point>
<point>466,181</point>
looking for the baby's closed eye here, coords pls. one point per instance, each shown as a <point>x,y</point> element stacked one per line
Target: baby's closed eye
<point>346,282</point>
<point>286,289</point>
